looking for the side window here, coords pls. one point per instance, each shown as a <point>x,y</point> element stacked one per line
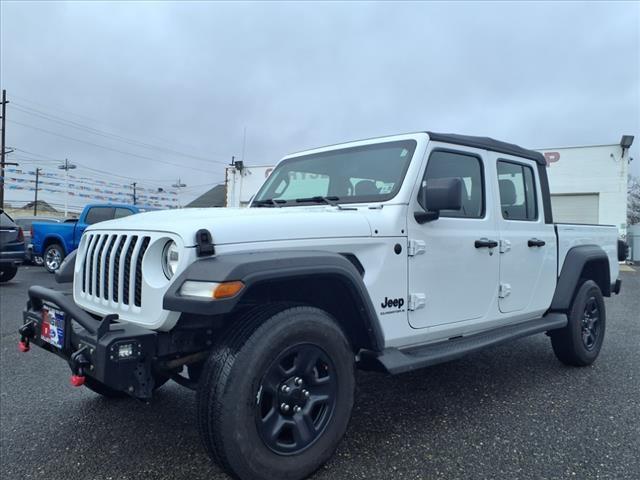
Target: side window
<point>517,191</point>
<point>122,212</point>
<point>98,214</point>
<point>466,167</point>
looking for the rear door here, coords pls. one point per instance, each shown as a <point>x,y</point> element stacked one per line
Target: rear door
<point>527,243</point>
<point>452,278</point>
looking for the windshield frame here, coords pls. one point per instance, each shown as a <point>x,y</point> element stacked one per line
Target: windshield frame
<point>410,144</point>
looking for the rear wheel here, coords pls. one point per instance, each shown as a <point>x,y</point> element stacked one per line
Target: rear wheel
<point>275,397</point>
<point>7,273</point>
<point>53,257</point>
<point>579,343</point>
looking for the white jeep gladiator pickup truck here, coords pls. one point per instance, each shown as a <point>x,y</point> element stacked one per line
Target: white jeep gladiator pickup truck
<point>392,253</point>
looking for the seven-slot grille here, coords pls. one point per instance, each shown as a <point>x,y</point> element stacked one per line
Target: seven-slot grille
<point>112,267</point>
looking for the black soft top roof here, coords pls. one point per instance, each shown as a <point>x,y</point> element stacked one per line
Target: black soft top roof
<point>487,143</point>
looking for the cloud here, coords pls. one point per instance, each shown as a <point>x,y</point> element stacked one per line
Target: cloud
<point>191,76</point>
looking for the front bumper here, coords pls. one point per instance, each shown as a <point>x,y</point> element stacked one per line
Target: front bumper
<point>91,346</point>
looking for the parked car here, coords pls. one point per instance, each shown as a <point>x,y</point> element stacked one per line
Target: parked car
<point>11,247</point>
<point>393,254</point>
<point>25,223</point>
<point>53,242</point>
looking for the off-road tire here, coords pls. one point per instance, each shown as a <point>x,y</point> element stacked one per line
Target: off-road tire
<point>7,273</point>
<point>231,385</point>
<point>55,249</point>
<point>569,343</point>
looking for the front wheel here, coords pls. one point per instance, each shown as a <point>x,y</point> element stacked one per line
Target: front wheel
<point>275,397</point>
<point>53,257</point>
<point>579,343</point>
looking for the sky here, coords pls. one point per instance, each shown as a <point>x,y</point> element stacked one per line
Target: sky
<point>153,92</point>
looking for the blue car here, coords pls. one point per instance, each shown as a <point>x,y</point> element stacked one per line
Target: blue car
<point>54,241</point>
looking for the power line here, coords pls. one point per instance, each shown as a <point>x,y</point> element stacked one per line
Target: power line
<point>106,147</point>
<point>105,134</point>
<point>94,120</point>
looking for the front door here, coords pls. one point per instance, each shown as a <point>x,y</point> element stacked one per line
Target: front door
<point>454,260</point>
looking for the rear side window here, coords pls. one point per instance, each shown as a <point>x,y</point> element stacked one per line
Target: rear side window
<point>122,212</point>
<point>517,191</point>
<point>468,168</point>
<point>99,214</point>
<point>5,220</point>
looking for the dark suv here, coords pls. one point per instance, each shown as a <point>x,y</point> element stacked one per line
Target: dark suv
<point>11,247</point>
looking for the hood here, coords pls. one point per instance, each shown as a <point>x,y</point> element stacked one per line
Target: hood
<point>240,225</point>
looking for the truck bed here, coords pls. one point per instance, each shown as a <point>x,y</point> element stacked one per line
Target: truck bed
<point>604,236</point>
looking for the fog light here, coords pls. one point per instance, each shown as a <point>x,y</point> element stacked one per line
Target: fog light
<point>125,350</point>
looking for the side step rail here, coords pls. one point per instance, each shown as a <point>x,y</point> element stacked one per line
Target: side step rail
<point>396,361</point>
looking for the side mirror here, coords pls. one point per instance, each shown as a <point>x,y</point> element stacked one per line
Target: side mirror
<point>439,194</point>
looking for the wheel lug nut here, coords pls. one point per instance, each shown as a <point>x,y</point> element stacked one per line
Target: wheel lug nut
<point>285,408</point>
<point>298,381</point>
<point>286,389</point>
<point>306,393</point>
<point>296,409</point>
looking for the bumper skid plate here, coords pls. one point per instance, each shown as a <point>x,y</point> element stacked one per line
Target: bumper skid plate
<point>118,355</point>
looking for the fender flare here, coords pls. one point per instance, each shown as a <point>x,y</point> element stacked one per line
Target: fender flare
<point>575,261</point>
<point>259,267</point>
<point>47,240</point>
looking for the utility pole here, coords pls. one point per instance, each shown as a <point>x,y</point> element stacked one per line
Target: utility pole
<point>3,151</point>
<point>35,202</point>
<point>134,191</point>
<point>66,167</point>
<point>179,185</point>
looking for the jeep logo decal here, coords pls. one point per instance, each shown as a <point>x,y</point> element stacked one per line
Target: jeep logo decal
<point>392,302</point>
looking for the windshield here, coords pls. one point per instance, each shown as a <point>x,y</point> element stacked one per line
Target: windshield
<point>372,173</point>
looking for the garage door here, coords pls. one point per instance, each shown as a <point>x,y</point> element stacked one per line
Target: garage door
<point>575,208</point>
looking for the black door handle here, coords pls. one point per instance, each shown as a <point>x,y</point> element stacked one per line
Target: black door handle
<point>486,243</point>
<point>534,242</point>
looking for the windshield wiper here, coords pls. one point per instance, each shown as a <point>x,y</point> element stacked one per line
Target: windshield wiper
<point>331,200</point>
<point>319,199</point>
<point>268,202</point>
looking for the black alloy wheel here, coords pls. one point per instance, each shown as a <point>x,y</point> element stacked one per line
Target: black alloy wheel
<point>591,323</point>
<point>296,399</point>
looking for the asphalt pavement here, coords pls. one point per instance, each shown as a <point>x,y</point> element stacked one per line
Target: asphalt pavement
<point>510,412</point>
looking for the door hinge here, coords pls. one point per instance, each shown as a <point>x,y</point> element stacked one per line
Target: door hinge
<point>417,301</point>
<point>504,290</point>
<point>505,246</point>
<point>416,247</point>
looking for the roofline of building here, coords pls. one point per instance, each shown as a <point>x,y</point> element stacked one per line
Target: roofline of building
<point>578,146</point>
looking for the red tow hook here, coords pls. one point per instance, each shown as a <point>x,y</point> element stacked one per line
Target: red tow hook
<point>26,331</point>
<point>79,362</point>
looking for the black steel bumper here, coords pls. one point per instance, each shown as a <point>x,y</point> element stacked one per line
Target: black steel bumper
<point>119,355</point>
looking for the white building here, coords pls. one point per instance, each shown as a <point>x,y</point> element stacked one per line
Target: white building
<point>589,183</point>
<point>243,182</point>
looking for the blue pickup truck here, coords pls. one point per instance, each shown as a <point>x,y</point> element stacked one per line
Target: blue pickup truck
<point>54,241</point>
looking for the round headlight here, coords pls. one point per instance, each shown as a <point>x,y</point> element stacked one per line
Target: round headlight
<point>170,258</point>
